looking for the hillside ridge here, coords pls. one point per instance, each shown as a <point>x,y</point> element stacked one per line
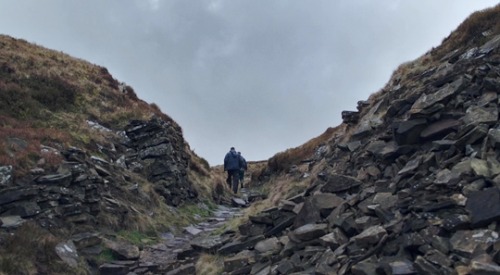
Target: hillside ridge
<point>408,184</point>
<point>85,164</point>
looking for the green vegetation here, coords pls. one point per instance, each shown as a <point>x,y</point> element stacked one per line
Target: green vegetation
<point>138,238</point>
<point>191,211</point>
<point>106,255</point>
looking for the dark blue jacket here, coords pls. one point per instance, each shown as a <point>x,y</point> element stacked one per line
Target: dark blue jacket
<point>232,161</point>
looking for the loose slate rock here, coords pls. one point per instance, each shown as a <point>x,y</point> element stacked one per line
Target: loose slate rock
<point>55,179</point>
<point>238,202</point>
<point>113,269</point>
<point>483,207</point>
<point>476,115</point>
<point>439,129</point>
<point>271,245</point>
<point>183,270</point>
<point>308,213</point>
<point>123,250</point>
<point>208,244</point>
<point>477,267</point>
<point>338,183</point>
<point>310,231</point>
<point>465,242</point>
<point>407,132</point>
<point>428,100</point>
<point>369,236</point>
<point>239,260</point>
<point>399,267</point>
<point>11,221</point>
<point>334,239</point>
<point>67,252</point>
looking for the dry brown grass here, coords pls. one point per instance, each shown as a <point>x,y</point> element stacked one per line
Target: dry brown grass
<point>199,165</point>
<point>31,250</point>
<point>144,210</point>
<point>46,98</point>
<point>34,80</point>
<point>209,265</point>
<point>20,145</point>
<point>208,181</point>
<point>277,189</point>
<point>53,94</point>
<point>470,32</point>
<point>284,160</point>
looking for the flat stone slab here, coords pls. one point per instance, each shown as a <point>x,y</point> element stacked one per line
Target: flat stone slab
<point>326,201</point>
<point>310,231</point>
<point>237,245</point>
<point>439,128</point>
<point>67,252</point>
<point>123,250</point>
<point>338,183</point>
<point>287,221</point>
<point>370,236</point>
<point>11,221</point>
<point>55,179</point>
<point>192,230</point>
<point>427,100</point>
<point>238,202</point>
<point>483,207</point>
<point>465,242</point>
<point>271,245</point>
<point>334,239</point>
<point>207,243</point>
<point>476,115</point>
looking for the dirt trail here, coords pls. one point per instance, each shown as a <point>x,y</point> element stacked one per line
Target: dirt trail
<point>175,250</point>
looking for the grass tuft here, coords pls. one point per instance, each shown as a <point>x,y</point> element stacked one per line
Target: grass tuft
<point>208,264</point>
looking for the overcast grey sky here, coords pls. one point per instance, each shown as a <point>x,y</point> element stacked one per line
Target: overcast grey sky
<point>260,75</point>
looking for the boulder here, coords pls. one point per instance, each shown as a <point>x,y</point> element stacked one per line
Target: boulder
<point>268,246</point>
<point>310,231</point>
<point>123,251</point>
<point>338,183</point>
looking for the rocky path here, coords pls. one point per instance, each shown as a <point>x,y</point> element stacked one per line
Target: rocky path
<point>177,254</point>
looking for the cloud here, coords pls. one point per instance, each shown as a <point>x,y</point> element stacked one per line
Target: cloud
<point>262,76</point>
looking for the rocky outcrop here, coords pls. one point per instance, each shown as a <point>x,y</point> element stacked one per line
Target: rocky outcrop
<point>120,177</point>
<point>83,185</point>
<point>71,195</point>
<point>158,151</point>
<point>413,189</point>
<point>88,191</point>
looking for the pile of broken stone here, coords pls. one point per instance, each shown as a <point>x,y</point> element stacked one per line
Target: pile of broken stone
<point>412,189</point>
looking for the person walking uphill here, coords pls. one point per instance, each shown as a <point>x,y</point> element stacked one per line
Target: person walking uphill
<point>232,164</point>
<point>243,168</point>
